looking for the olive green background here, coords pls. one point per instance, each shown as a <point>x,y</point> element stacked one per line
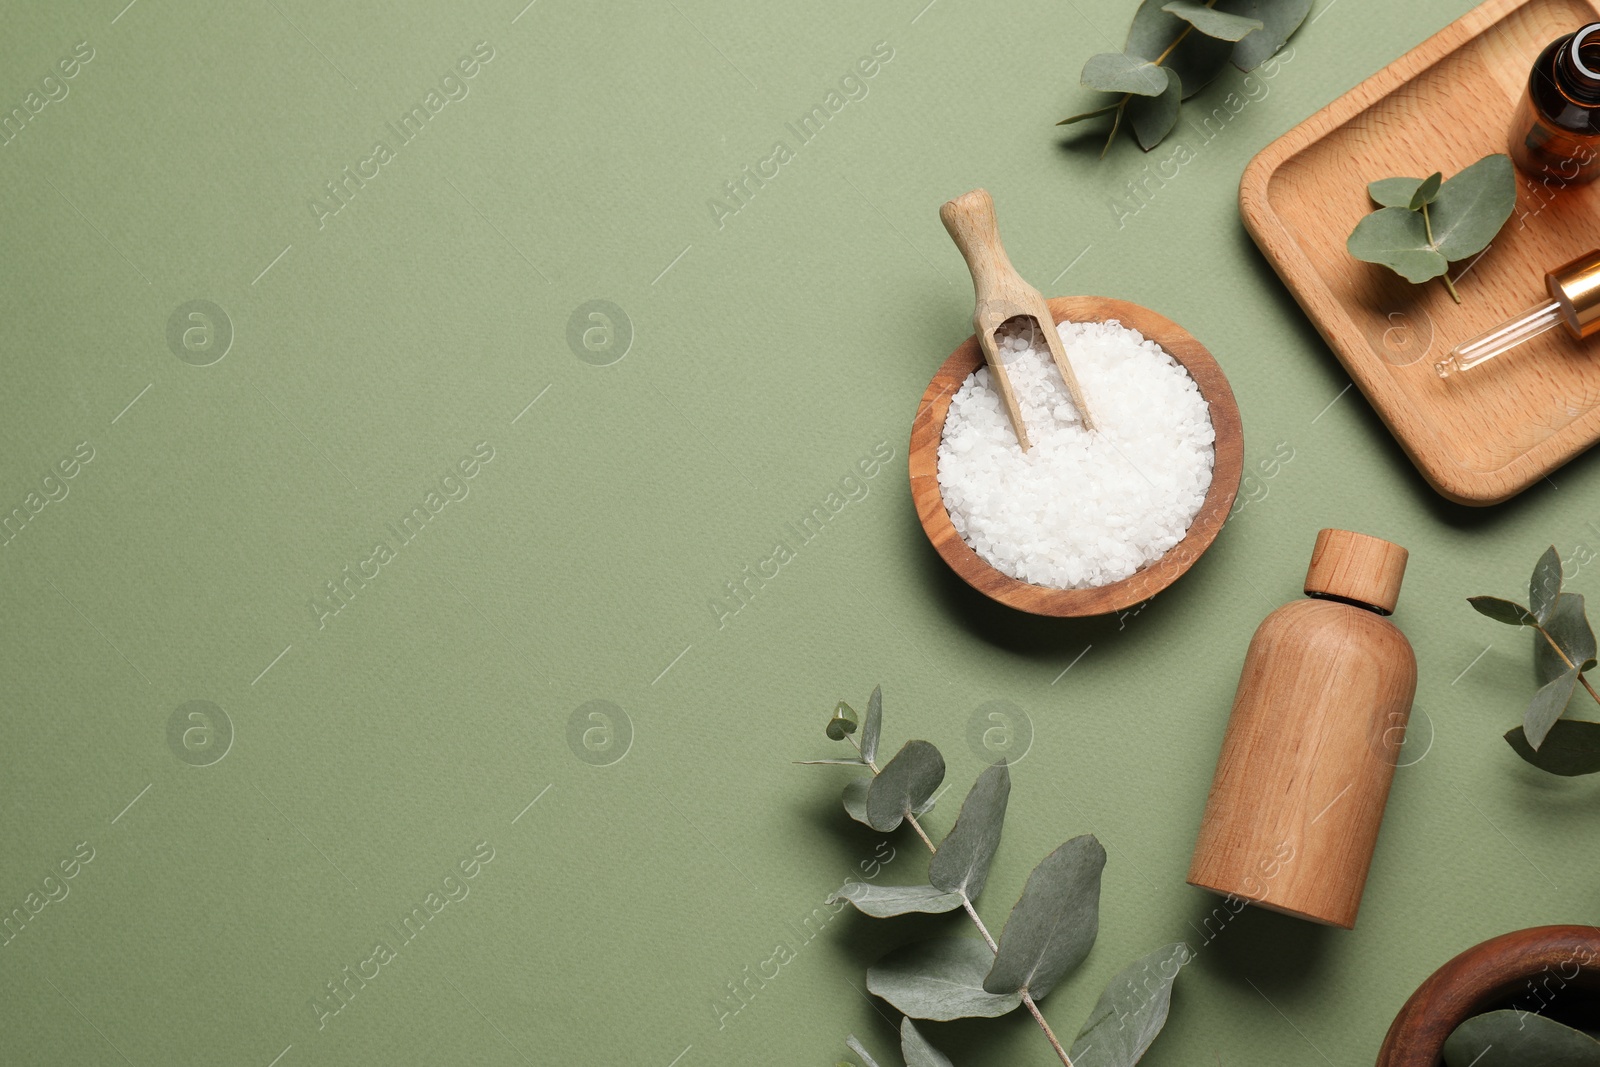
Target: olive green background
<point>768,356</point>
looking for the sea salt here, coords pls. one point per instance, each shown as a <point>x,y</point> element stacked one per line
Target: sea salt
<point>1080,508</point>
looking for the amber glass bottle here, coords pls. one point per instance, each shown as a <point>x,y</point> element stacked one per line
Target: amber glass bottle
<point>1556,134</point>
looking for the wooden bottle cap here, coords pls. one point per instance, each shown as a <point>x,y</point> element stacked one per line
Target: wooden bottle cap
<point>1356,568</point>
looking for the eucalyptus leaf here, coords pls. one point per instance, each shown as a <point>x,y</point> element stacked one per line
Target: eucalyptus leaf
<point>940,979</point>
<point>1569,627</point>
<point>1546,707</point>
<point>853,1043</point>
<point>904,783</point>
<point>1509,1038</point>
<point>873,725</point>
<point>1132,1010</point>
<point>1152,30</point>
<point>1053,925</point>
<point>1116,124</point>
<point>1090,114</point>
<point>1570,749</point>
<point>883,901</point>
<point>1393,192</point>
<point>1211,22</point>
<point>1118,72</point>
<point>1154,116</point>
<point>1545,586</point>
<point>1472,206</point>
<point>855,798</point>
<point>843,723</point>
<point>1197,60</point>
<point>961,864</point>
<point>1506,611</point>
<point>1426,191</point>
<point>1397,238</point>
<point>1280,18</point>
<point>916,1050</point>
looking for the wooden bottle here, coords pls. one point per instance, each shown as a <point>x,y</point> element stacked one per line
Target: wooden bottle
<point>1312,745</point>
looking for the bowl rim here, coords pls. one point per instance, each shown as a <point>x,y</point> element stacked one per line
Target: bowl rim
<point>1481,977</point>
<point>927,429</point>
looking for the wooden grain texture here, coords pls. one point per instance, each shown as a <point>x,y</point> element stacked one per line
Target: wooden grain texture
<point>927,429</point>
<point>1353,566</point>
<point>1484,435</point>
<point>1000,294</point>
<point>1307,760</point>
<point>1541,964</point>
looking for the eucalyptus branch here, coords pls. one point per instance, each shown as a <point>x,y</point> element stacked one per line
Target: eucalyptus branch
<point>1156,62</point>
<point>1121,105</point>
<point>1198,36</point>
<point>1547,738</point>
<point>1471,208</point>
<point>972,913</point>
<point>1049,933</point>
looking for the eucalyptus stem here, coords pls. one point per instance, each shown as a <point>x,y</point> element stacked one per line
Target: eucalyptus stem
<point>972,913</point>
<point>982,929</point>
<point>1038,1017</point>
<point>1568,662</point>
<point>1427,225</point>
<point>1116,124</point>
<point>1176,41</point>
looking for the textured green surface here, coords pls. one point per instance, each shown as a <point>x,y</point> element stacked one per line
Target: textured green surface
<point>769,356</point>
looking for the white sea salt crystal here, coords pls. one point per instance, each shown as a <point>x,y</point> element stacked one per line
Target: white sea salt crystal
<point>1079,509</point>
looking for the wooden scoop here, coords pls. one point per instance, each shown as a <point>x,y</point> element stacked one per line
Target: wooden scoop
<point>1001,295</point>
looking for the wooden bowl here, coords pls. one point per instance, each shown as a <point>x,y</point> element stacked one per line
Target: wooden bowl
<point>927,429</point>
<point>1487,977</point>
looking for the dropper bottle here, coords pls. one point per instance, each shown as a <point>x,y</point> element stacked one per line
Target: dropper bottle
<point>1556,133</point>
<point>1574,303</point>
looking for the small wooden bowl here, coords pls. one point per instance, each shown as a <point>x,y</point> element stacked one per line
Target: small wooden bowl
<point>927,429</point>
<point>1489,976</point>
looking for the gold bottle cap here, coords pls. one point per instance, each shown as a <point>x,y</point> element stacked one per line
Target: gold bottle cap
<point>1357,569</point>
<point>1576,287</point>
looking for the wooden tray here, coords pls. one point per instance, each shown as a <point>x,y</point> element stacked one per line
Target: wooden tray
<point>1486,435</point>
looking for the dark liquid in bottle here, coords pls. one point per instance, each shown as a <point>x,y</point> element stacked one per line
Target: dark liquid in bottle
<point>1556,133</point>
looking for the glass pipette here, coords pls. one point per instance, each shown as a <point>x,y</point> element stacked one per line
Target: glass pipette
<point>1574,303</point>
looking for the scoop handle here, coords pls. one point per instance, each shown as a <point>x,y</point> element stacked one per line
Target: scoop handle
<point>999,289</point>
<point>1001,294</point>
